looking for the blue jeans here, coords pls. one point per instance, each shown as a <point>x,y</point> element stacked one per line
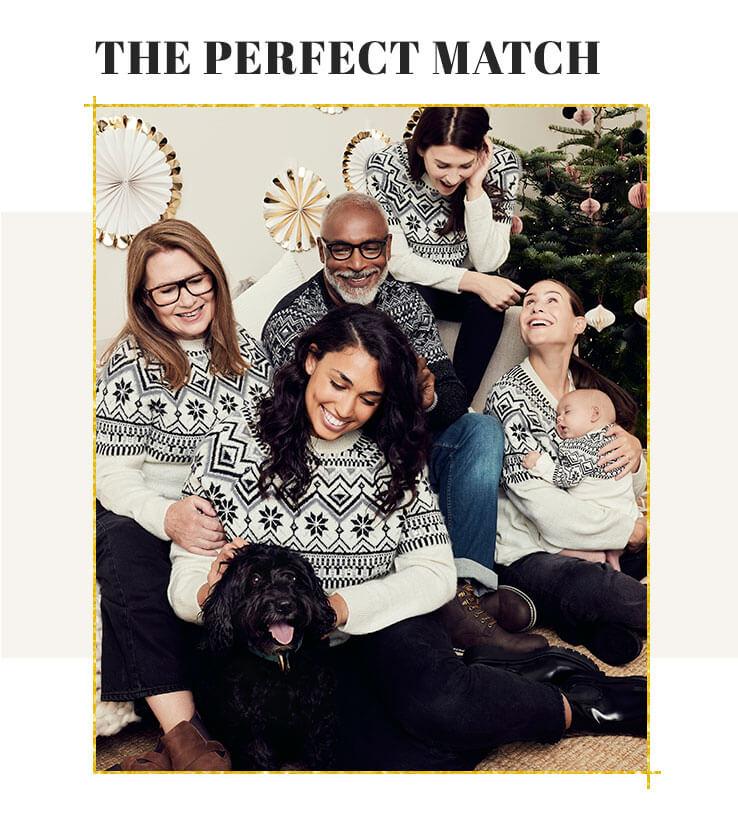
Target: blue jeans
<point>465,466</point>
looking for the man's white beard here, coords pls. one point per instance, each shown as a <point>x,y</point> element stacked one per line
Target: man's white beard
<point>362,297</point>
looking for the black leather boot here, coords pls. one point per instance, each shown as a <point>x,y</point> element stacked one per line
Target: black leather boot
<point>606,705</point>
<point>554,665</point>
<point>613,643</point>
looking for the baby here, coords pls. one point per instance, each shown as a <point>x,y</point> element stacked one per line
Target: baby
<point>583,420</point>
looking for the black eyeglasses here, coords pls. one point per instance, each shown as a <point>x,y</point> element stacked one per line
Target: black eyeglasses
<point>169,293</point>
<point>370,250</point>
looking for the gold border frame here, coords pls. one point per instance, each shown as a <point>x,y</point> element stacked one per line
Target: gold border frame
<point>649,771</point>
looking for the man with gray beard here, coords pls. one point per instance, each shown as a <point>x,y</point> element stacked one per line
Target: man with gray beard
<point>466,456</point>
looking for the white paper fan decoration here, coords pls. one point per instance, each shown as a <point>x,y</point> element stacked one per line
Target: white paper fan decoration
<point>137,179</point>
<point>358,151</point>
<point>411,124</point>
<point>641,307</point>
<point>332,110</point>
<point>293,207</point>
<point>599,317</point>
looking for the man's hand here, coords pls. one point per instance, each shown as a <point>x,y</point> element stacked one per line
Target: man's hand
<point>193,524</point>
<point>427,383</point>
<point>637,539</point>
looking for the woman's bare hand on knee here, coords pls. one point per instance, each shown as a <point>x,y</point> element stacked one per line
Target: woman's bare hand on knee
<point>193,524</point>
<point>637,539</point>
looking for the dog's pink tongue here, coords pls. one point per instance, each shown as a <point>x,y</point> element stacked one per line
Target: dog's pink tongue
<point>282,633</point>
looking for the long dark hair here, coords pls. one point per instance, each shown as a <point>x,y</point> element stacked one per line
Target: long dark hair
<point>464,128</point>
<point>397,427</point>
<point>585,376</point>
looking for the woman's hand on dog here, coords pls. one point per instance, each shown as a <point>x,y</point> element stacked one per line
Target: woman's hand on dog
<point>218,566</point>
<point>624,450</point>
<point>193,524</point>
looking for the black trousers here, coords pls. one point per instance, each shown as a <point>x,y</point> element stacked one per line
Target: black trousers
<point>570,593</point>
<point>480,331</point>
<point>407,702</point>
<point>143,646</point>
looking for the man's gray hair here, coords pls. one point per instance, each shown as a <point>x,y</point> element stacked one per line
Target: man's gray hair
<point>353,199</point>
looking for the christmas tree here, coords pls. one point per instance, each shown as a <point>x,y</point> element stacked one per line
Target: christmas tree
<point>583,222</point>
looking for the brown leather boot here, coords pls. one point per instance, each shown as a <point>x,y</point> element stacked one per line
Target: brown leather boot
<point>188,750</point>
<point>468,625</point>
<point>512,608</point>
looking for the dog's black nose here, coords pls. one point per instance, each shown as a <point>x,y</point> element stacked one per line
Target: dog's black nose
<point>286,606</point>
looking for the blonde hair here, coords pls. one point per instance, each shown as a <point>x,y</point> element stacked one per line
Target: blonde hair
<point>156,342</point>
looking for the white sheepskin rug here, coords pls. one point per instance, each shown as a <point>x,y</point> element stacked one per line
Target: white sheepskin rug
<point>111,717</point>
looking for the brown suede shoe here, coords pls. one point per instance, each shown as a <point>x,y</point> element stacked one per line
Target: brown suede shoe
<point>188,750</point>
<point>152,761</point>
<point>469,625</point>
<point>512,608</point>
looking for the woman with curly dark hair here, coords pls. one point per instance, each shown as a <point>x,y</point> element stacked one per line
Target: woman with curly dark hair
<point>333,467</point>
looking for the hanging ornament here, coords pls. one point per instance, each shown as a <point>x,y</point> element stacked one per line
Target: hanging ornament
<point>636,136</point>
<point>590,206</point>
<point>568,113</point>
<point>293,207</point>
<point>641,307</point>
<point>516,225</point>
<point>332,110</point>
<point>638,195</point>
<point>358,151</point>
<point>574,173</point>
<point>137,179</point>
<point>599,317</point>
<point>583,115</point>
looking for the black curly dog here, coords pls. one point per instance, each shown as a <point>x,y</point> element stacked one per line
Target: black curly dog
<point>264,690</point>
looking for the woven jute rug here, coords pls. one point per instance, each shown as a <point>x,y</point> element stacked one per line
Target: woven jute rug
<point>574,754</point>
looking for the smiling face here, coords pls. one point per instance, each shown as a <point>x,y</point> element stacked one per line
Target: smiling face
<point>356,279</point>
<point>190,316</point>
<point>447,166</point>
<point>344,391</point>
<point>547,317</point>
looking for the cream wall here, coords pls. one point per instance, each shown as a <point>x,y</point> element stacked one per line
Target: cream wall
<point>229,156</point>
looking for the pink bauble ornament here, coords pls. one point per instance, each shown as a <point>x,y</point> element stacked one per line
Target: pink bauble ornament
<point>516,226</point>
<point>589,206</point>
<point>637,195</point>
<point>583,115</point>
<point>573,172</point>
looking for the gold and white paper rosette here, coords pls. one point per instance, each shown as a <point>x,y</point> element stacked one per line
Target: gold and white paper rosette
<point>137,179</point>
<point>293,207</point>
<point>358,151</point>
<point>332,110</point>
<point>411,124</point>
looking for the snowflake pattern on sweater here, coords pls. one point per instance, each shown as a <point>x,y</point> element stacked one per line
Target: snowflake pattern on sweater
<point>528,421</point>
<point>578,459</point>
<point>337,526</point>
<point>419,210</point>
<point>138,413</point>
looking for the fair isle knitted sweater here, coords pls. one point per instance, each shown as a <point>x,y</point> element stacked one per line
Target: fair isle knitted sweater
<point>147,433</point>
<point>386,567</point>
<point>305,305</point>
<point>534,515</point>
<point>415,209</point>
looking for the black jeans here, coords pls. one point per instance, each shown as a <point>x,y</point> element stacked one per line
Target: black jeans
<point>407,702</point>
<point>480,330</point>
<point>570,593</point>
<point>143,646</point>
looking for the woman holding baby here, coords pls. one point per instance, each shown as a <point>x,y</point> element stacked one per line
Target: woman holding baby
<point>557,546</point>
